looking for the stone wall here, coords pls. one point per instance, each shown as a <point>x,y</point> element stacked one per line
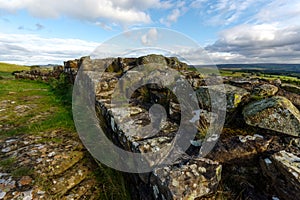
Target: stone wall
<point>256,156</point>
<point>258,124</point>
<point>186,178</point>
<point>40,74</point>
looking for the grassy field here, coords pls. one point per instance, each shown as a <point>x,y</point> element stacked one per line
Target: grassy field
<point>233,73</point>
<point>5,67</point>
<point>283,78</point>
<point>27,105</point>
<point>35,108</point>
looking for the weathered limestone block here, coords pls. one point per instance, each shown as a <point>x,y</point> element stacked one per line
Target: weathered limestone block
<point>265,90</point>
<point>210,95</point>
<point>276,113</point>
<point>193,179</point>
<point>283,170</point>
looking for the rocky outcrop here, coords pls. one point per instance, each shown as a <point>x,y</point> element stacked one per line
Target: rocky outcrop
<point>276,113</point>
<point>283,171</point>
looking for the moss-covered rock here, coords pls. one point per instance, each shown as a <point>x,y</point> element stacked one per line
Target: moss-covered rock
<point>276,113</point>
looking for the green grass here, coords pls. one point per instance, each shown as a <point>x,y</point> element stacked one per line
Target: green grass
<point>233,73</point>
<point>7,164</point>
<point>283,78</point>
<point>114,185</point>
<point>5,67</point>
<point>41,101</point>
<point>22,171</point>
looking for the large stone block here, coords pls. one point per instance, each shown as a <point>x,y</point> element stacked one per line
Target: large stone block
<point>276,113</point>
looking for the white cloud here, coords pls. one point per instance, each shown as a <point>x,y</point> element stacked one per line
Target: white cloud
<point>124,12</point>
<point>226,12</point>
<point>198,4</point>
<point>268,31</point>
<point>103,25</point>
<point>150,38</point>
<point>179,10</point>
<point>284,12</point>
<point>174,15</point>
<point>259,43</point>
<point>32,49</point>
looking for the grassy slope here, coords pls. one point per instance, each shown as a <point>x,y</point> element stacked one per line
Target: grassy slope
<point>47,111</point>
<point>5,67</point>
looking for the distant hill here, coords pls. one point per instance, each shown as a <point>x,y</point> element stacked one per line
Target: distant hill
<point>262,68</point>
<point>274,68</point>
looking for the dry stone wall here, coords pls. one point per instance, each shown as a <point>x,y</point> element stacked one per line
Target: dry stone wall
<point>252,145</point>
<point>256,157</point>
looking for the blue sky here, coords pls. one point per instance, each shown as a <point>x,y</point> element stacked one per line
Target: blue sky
<point>230,31</point>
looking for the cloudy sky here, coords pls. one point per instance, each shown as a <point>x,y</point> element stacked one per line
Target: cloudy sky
<point>229,31</point>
